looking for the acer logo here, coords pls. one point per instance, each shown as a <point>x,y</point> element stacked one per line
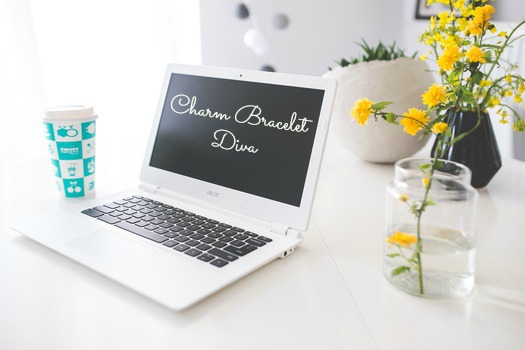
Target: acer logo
<point>213,194</point>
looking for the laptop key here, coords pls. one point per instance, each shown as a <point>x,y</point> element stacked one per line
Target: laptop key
<point>265,239</point>
<point>207,240</point>
<point>161,231</point>
<point>111,205</point>
<point>170,235</point>
<point>133,220</point>
<point>229,233</point>
<point>219,244</point>
<point>176,229</point>
<point>103,209</point>
<point>124,217</point>
<point>208,226</point>
<point>109,219</point>
<point>193,252</point>
<point>225,239</point>
<point>148,219</point>
<point>219,263</point>
<point>240,251</point>
<point>203,247</point>
<point>237,243</point>
<point>181,247</point>
<point>151,227</point>
<point>255,242</point>
<point>193,243</point>
<point>142,223</point>
<point>222,254</point>
<point>170,243</point>
<point>141,232</point>
<point>222,224</point>
<point>181,239</point>
<point>92,212</point>
<point>166,225</point>
<point>197,236</point>
<point>205,257</point>
<point>238,229</point>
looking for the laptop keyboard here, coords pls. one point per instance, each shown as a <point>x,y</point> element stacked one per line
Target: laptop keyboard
<point>205,239</point>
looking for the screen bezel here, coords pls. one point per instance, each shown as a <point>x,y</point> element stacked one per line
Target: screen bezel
<point>234,200</point>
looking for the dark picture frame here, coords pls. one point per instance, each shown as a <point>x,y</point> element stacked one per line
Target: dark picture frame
<point>425,12</point>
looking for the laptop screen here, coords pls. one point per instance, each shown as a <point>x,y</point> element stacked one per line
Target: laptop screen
<point>251,137</point>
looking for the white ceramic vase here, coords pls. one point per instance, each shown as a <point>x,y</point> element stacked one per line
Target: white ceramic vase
<point>402,82</point>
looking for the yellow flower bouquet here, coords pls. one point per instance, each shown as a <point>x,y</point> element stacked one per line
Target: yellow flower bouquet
<point>467,49</point>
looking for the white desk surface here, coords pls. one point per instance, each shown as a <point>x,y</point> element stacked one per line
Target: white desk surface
<point>329,294</point>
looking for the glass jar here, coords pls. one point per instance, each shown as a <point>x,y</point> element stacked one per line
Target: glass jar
<point>430,243</point>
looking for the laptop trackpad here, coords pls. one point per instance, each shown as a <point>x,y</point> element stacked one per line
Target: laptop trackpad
<point>107,247</point>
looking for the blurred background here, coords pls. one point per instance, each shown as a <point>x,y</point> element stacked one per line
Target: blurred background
<point>112,55</point>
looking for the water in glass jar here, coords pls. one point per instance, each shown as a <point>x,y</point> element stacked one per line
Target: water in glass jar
<point>447,261</point>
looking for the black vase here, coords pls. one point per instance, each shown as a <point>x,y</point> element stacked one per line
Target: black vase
<point>478,150</point>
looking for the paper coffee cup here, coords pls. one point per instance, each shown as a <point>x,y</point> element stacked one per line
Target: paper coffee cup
<point>70,133</point>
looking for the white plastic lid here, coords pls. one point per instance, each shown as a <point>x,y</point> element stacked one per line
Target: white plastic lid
<point>69,112</point>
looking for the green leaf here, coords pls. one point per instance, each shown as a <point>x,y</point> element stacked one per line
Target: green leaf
<point>399,270</point>
<point>394,255</point>
<point>391,118</point>
<point>380,105</point>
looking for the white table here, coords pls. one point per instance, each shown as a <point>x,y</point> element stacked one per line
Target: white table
<point>330,294</point>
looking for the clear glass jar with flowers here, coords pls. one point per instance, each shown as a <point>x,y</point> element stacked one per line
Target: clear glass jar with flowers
<point>468,51</point>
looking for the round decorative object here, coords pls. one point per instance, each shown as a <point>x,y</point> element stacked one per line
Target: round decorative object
<point>401,81</point>
<point>241,11</point>
<point>267,68</point>
<point>280,21</point>
<point>256,41</point>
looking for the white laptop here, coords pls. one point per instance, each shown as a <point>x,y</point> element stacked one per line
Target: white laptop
<point>227,185</point>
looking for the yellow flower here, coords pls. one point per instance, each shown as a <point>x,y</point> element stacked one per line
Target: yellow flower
<point>518,99</point>
<point>423,57</point>
<point>425,181</point>
<point>503,34</point>
<point>434,95</point>
<point>403,198</point>
<point>449,56</point>
<point>402,239</point>
<point>445,18</point>
<point>480,20</point>
<point>362,110</point>
<point>475,54</point>
<point>439,128</point>
<point>415,119</point>
<point>493,101</point>
<point>521,89</point>
<point>484,83</point>
<point>508,78</point>
<point>508,93</point>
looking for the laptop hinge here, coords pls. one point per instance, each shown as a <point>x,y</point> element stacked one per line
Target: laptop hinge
<point>148,188</point>
<point>285,230</point>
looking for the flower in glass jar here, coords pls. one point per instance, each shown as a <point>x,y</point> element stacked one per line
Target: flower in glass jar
<point>402,239</point>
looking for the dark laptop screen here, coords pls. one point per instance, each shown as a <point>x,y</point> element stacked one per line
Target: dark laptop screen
<point>252,137</point>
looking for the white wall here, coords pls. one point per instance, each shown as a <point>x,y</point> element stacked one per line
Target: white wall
<point>320,32</point>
